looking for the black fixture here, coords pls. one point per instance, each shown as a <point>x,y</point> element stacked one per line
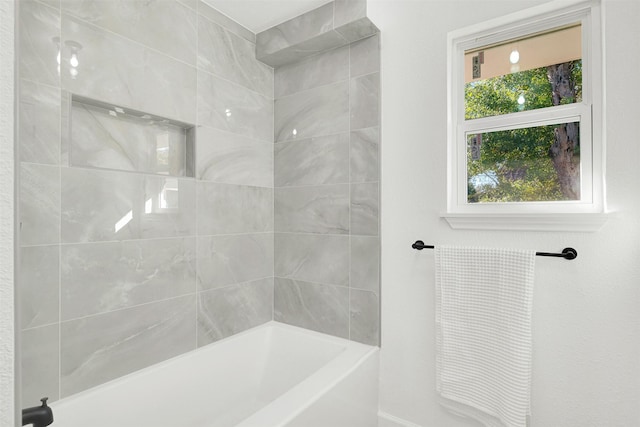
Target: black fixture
<point>567,253</point>
<point>38,416</point>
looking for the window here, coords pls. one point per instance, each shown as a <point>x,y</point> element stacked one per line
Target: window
<point>525,129</point>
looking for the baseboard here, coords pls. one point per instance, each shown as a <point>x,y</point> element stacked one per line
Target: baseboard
<point>388,420</point>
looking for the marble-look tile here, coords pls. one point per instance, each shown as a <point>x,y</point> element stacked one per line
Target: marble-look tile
<point>192,4</point>
<point>364,101</point>
<point>227,260</point>
<point>365,317</point>
<point>38,38</point>
<point>102,277</point>
<point>99,348</point>
<point>39,201</point>
<point>39,123</point>
<point>364,209</point>
<point>346,11</point>
<point>315,112</point>
<point>322,308</point>
<point>321,160</point>
<point>312,258</point>
<point>314,46</point>
<point>143,21</point>
<point>106,205</point>
<point>294,31</point>
<point>124,142</point>
<point>66,103</point>
<point>219,18</point>
<point>40,357</point>
<point>230,209</point>
<point>319,70</point>
<point>357,30</point>
<point>320,209</point>
<point>234,108</point>
<point>365,263</point>
<point>365,56</point>
<point>232,57</point>
<point>39,285</point>
<point>116,70</point>
<point>226,311</point>
<point>53,3</point>
<point>233,159</point>
<point>365,163</point>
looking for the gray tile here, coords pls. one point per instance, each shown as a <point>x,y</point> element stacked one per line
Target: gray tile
<point>322,308</point>
<point>364,101</point>
<point>65,126</point>
<point>39,123</point>
<point>39,27</point>
<point>319,70</point>
<point>227,260</point>
<point>365,56</point>
<point>357,30</point>
<point>365,151</point>
<point>39,285</point>
<point>100,348</point>
<point>103,140</point>
<point>314,46</point>
<point>143,21</point>
<point>221,19</point>
<point>365,263</point>
<point>320,160</point>
<point>230,209</point>
<point>102,277</point>
<point>39,201</point>
<point>232,309</point>
<point>312,258</point>
<point>319,209</point>
<point>106,205</point>
<point>346,11</point>
<point>229,158</point>
<point>116,70</point>
<point>232,57</point>
<point>365,317</point>
<point>364,209</point>
<point>315,112</point>
<point>294,31</point>
<point>234,108</point>
<point>40,356</point>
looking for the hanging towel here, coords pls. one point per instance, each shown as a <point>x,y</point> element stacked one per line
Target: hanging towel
<point>483,337</point>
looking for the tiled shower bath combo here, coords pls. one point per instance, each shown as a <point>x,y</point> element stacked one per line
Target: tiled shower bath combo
<point>180,187</point>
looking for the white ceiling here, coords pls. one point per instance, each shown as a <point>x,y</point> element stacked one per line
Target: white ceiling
<point>258,15</point>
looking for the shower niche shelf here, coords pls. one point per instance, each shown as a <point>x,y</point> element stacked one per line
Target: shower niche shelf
<point>107,136</point>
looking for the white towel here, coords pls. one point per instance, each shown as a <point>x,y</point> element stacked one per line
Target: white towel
<point>483,339</point>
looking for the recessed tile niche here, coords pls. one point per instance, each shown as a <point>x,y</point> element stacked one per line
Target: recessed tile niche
<point>108,136</point>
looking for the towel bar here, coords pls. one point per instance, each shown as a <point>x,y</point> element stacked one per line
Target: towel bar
<point>567,253</point>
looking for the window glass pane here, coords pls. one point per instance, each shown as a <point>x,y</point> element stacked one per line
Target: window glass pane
<point>524,165</point>
<point>539,71</point>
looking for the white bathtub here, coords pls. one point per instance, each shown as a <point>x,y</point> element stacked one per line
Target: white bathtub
<point>272,375</point>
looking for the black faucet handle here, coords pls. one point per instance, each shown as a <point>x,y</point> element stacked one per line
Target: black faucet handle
<point>44,401</point>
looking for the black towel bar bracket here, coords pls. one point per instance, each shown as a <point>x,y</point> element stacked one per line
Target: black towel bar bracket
<point>567,253</point>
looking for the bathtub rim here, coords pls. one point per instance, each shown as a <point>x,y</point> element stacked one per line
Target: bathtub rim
<point>353,346</point>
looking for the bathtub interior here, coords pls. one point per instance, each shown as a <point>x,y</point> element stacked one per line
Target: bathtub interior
<point>216,386</point>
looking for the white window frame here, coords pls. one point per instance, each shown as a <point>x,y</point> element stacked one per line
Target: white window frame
<point>587,214</point>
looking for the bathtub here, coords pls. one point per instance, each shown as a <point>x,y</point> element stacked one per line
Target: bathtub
<point>272,375</point>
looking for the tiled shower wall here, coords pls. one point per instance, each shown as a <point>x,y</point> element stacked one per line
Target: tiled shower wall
<point>327,245</point>
<point>99,301</point>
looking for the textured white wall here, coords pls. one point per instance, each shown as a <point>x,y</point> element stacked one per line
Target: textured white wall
<point>586,316</point>
<point>6,214</point>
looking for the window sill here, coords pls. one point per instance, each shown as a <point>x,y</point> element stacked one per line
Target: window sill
<point>586,222</point>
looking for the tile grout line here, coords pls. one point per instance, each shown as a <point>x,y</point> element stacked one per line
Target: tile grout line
<point>60,119</point>
<point>349,178</point>
<point>195,175</point>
